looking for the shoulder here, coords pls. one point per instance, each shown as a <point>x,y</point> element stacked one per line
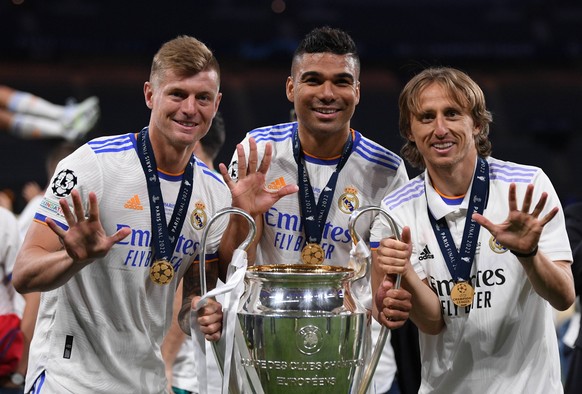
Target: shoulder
<point>409,192</point>
<point>275,133</point>
<point>208,174</point>
<point>375,153</point>
<point>112,143</point>
<point>509,172</point>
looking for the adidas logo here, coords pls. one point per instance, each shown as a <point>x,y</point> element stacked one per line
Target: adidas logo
<point>276,184</point>
<point>134,203</point>
<point>425,254</point>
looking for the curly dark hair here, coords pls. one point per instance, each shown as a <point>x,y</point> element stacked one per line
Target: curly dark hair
<point>330,40</point>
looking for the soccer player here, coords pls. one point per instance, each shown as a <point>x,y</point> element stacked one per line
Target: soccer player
<point>107,299</point>
<point>337,168</point>
<point>482,293</point>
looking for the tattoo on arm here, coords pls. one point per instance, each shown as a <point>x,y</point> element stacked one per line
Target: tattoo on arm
<point>192,287</point>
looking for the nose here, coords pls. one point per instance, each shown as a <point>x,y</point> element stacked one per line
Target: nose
<point>327,92</point>
<point>440,126</point>
<point>190,105</point>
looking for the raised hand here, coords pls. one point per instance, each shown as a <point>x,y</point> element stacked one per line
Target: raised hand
<point>249,192</point>
<point>85,240</point>
<point>521,231</point>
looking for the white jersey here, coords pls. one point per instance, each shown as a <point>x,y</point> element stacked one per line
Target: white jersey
<point>506,340</point>
<point>184,369</point>
<point>369,174</point>
<point>101,331</point>
<point>9,244</point>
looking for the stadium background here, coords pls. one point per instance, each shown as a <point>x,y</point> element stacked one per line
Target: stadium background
<point>526,55</point>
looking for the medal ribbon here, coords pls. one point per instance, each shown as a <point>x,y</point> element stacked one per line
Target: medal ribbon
<point>164,237</point>
<point>314,216</point>
<point>459,262</point>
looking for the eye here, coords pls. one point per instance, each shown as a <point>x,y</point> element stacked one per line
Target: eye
<point>425,117</point>
<point>311,81</point>
<point>344,82</point>
<point>176,94</point>
<point>452,113</point>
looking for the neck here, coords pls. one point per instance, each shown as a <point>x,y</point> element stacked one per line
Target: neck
<point>454,180</point>
<point>323,145</point>
<point>170,158</point>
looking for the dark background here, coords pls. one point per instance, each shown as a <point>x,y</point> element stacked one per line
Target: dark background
<point>526,55</point>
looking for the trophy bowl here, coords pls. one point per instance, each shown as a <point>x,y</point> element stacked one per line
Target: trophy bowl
<point>302,330</point>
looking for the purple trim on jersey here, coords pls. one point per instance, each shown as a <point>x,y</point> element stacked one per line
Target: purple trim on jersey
<point>387,157</point>
<point>208,171</point>
<point>409,191</point>
<point>113,144</point>
<point>511,172</point>
<point>37,385</point>
<point>276,133</point>
<point>453,201</point>
<point>374,245</point>
<point>42,218</point>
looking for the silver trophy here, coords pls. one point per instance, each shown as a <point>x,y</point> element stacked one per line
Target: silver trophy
<point>301,328</point>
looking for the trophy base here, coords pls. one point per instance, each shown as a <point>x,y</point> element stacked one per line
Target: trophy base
<point>302,355</point>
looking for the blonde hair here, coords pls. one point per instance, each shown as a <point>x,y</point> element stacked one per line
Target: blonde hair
<point>185,56</point>
<point>461,89</point>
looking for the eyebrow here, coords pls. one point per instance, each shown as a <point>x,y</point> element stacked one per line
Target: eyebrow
<point>308,74</point>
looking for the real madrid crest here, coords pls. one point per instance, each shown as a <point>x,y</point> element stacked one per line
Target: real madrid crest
<point>348,202</point>
<point>496,246</point>
<point>198,217</point>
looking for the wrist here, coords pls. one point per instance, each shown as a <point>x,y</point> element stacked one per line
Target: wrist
<point>525,255</point>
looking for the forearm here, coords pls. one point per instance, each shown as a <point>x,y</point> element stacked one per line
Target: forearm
<point>27,324</point>
<point>184,315</point>
<point>37,269</point>
<point>175,336</point>
<point>552,280</point>
<point>426,310</point>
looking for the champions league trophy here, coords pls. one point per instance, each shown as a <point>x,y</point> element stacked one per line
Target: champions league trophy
<point>299,328</point>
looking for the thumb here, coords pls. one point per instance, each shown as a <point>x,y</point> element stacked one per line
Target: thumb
<point>385,286</point>
<point>406,236</point>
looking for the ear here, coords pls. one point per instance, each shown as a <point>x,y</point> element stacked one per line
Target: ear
<point>289,89</point>
<point>477,130</point>
<point>148,94</point>
<point>357,92</point>
<point>217,103</point>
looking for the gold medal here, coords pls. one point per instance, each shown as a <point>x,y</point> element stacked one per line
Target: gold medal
<point>161,272</point>
<point>312,254</point>
<point>462,294</point>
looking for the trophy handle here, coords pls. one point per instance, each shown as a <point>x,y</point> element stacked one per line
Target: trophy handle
<point>219,353</point>
<point>381,342</point>
<point>244,245</point>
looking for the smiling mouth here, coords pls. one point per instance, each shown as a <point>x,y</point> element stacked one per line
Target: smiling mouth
<point>185,124</point>
<point>326,111</point>
<point>443,145</point>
